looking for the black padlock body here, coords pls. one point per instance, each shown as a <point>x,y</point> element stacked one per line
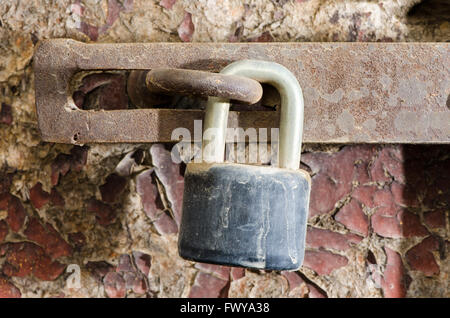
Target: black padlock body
<point>243,215</point>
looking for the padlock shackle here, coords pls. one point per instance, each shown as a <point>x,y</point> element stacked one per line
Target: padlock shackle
<point>291,116</point>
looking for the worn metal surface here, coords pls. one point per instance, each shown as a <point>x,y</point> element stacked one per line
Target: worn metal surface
<point>138,92</point>
<point>243,215</point>
<point>149,88</point>
<point>201,83</point>
<point>354,92</point>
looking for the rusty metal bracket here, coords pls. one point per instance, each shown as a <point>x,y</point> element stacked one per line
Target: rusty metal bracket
<point>354,92</point>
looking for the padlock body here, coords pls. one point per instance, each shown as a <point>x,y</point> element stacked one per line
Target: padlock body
<point>244,215</point>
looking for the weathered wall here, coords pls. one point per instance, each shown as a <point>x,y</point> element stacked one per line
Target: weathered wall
<point>379,216</point>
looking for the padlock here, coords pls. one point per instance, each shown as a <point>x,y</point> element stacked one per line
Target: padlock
<point>248,215</point>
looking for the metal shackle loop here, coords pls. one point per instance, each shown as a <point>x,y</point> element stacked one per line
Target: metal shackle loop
<point>291,116</point>
<point>148,88</point>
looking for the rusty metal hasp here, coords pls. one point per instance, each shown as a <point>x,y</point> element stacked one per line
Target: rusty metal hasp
<point>353,92</point>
